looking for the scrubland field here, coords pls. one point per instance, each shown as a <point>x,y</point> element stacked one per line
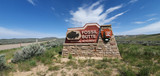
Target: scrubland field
<point>24,40</point>
<point>45,59</point>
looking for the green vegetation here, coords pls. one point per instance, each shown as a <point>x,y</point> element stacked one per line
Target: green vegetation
<point>49,55</point>
<point>126,72</point>
<point>144,58</point>
<point>2,62</point>
<point>152,37</point>
<point>54,68</point>
<point>28,52</point>
<point>27,40</point>
<point>9,53</point>
<point>137,60</point>
<point>145,71</point>
<point>70,56</point>
<point>132,53</point>
<point>147,40</point>
<point>33,55</point>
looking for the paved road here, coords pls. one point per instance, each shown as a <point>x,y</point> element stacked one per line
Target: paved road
<point>11,46</point>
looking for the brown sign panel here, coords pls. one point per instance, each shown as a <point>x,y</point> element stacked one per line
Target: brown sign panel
<point>107,33</point>
<point>87,34</point>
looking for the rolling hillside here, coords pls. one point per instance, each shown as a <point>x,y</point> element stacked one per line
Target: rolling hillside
<point>26,40</point>
<point>152,37</point>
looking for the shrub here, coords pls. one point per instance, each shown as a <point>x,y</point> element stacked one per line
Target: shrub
<point>75,66</point>
<point>126,72</point>
<point>75,74</point>
<point>70,63</point>
<point>40,73</point>
<point>47,57</point>
<point>158,74</point>
<point>28,52</point>
<point>155,68</point>
<point>32,63</point>
<point>82,63</point>
<point>70,56</point>
<point>91,62</point>
<point>2,62</point>
<point>104,59</point>
<point>145,71</point>
<point>52,44</point>
<point>96,72</point>
<point>63,73</point>
<point>54,68</point>
<point>158,61</point>
<point>105,72</point>
<point>101,65</point>
<point>24,65</point>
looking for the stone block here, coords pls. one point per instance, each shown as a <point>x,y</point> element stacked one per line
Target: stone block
<point>99,48</point>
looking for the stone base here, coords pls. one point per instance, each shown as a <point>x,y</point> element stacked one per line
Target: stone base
<point>99,49</point>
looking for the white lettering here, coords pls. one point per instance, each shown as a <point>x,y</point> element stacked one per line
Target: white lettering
<point>87,32</point>
<point>88,36</point>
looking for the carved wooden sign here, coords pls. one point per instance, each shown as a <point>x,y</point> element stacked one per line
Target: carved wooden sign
<point>87,34</point>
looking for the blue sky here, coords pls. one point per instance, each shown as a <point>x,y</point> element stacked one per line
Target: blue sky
<point>51,18</point>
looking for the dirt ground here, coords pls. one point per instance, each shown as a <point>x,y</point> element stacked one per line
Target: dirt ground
<point>42,70</point>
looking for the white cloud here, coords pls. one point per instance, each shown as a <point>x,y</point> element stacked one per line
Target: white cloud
<point>151,15</point>
<point>32,2</point>
<point>149,29</point>
<point>114,17</point>
<point>141,22</point>
<point>9,33</point>
<point>132,1</point>
<point>151,19</point>
<point>93,14</point>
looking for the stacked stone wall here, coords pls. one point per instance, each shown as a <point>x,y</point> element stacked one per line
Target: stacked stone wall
<point>99,49</point>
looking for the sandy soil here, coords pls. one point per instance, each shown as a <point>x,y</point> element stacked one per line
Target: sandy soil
<point>11,46</point>
<point>42,70</point>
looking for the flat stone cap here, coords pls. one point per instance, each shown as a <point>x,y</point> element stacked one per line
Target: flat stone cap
<point>105,25</point>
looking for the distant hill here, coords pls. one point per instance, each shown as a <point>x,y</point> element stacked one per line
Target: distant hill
<point>140,39</point>
<point>152,37</point>
<point>26,40</point>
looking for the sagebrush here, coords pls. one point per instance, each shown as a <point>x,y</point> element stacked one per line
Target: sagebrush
<point>2,62</point>
<point>52,44</point>
<point>28,52</point>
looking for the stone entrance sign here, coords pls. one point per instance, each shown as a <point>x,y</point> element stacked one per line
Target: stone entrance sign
<point>92,40</point>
